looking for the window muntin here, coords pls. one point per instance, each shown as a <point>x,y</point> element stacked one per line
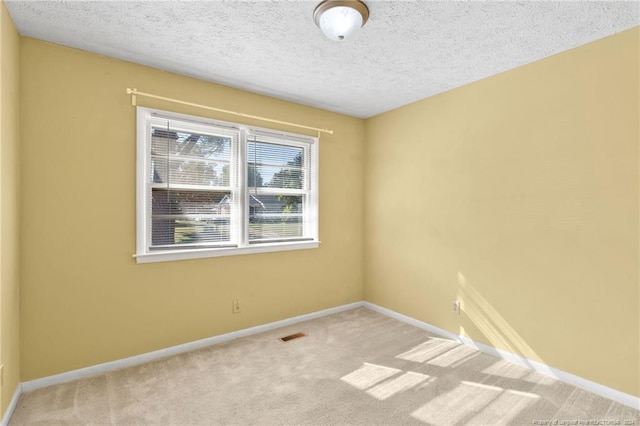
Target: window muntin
<point>208,188</point>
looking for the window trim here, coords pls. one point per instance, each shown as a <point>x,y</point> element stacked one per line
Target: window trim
<point>244,133</point>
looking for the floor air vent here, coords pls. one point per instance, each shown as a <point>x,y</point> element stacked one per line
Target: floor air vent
<point>292,337</point>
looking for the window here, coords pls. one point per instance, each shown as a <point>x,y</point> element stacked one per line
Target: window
<point>209,188</point>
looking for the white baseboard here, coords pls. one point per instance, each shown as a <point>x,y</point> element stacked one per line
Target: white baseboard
<point>593,387</point>
<point>12,405</point>
<point>174,350</point>
<point>598,389</point>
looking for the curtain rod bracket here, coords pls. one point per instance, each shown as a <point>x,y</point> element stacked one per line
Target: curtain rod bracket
<point>133,92</point>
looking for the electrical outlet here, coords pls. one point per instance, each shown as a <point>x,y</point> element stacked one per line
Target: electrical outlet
<point>456,306</point>
<point>236,306</point>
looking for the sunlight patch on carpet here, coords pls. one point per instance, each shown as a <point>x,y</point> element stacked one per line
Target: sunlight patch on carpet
<point>455,357</point>
<point>369,375</point>
<point>471,402</point>
<point>511,370</point>
<point>399,384</point>
<point>428,350</point>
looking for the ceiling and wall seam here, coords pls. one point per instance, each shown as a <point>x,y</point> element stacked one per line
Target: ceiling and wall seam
<point>406,52</point>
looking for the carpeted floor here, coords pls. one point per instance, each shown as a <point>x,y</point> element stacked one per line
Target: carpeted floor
<point>355,367</point>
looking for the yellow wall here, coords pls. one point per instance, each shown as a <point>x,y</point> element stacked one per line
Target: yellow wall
<point>84,299</point>
<point>518,195</point>
<point>9,174</point>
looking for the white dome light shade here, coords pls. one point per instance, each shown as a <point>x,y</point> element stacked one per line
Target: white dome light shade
<point>340,23</point>
<point>341,20</point>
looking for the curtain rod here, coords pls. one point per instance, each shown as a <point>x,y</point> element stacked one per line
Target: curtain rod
<point>134,92</point>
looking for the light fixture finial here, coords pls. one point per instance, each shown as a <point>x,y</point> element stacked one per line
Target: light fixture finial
<point>340,19</point>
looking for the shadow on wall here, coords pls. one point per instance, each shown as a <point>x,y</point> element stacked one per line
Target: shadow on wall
<point>490,323</point>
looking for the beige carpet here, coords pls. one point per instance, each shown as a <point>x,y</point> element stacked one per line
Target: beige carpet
<point>355,367</point>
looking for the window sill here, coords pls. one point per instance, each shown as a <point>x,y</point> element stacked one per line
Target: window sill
<point>166,256</point>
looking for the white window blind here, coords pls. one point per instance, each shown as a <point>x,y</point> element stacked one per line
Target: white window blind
<point>210,188</point>
<point>279,188</point>
<point>193,185</point>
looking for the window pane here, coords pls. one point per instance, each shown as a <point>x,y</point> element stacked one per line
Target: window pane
<point>170,142</point>
<point>189,217</point>
<point>275,217</point>
<point>180,158</point>
<point>275,166</point>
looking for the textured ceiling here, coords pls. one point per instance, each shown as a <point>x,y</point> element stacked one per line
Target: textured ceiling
<point>407,51</point>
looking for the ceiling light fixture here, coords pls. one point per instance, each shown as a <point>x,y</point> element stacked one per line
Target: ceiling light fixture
<point>340,19</point>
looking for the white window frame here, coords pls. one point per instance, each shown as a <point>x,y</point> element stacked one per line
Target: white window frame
<point>240,218</point>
